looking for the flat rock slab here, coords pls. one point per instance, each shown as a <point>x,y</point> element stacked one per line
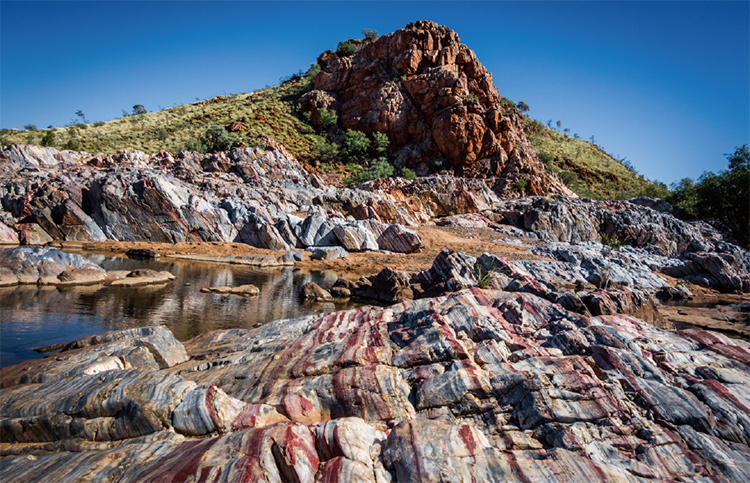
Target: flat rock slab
<point>242,290</point>
<point>262,261</point>
<point>327,253</point>
<point>140,277</point>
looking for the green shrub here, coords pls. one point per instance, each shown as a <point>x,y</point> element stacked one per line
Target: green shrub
<point>440,164</point>
<point>570,179</point>
<point>73,145</point>
<point>193,144</point>
<point>345,49</point>
<point>218,139</point>
<point>546,157</point>
<point>30,127</point>
<point>520,185</point>
<point>357,145</point>
<point>471,97</point>
<point>325,151</point>
<point>355,169</point>
<point>611,241</point>
<point>380,143</point>
<point>49,139</point>
<point>312,72</point>
<point>380,169</point>
<point>655,190</point>
<point>484,279</point>
<point>328,118</point>
<point>408,174</point>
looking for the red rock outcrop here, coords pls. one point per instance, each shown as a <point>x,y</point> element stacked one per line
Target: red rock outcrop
<point>433,98</point>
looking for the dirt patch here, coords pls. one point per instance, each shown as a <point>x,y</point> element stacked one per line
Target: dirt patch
<point>473,241</point>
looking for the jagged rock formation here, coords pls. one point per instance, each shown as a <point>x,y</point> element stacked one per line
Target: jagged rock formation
<point>480,385</point>
<point>693,250</point>
<point>244,195</point>
<point>432,97</point>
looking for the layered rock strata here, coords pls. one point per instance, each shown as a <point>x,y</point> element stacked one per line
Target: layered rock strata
<point>478,385</point>
<point>247,195</point>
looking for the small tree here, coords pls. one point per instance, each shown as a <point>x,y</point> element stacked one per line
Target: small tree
<point>559,125</point>
<point>30,127</point>
<point>523,107</point>
<point>193,144</point>
<point>80,114</point>
<point>139,109</point>
<point>370,34</point>
<point>380,169</point>
<point>325,151</point>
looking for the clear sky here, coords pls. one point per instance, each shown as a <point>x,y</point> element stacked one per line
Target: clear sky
<point>665,84</point>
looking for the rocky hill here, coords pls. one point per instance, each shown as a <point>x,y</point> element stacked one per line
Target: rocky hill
<point>419,85</point>
<point>433,98</point>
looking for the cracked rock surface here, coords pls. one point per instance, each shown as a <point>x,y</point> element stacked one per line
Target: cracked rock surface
<point>481,385</point>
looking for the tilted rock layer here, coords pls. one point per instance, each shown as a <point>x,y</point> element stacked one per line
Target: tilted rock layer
<point>432,97</point>
<point>478,385</point>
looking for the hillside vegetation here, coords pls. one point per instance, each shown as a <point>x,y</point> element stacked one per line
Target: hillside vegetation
<point>271,116</point>
<point>586,168</point>
<point>264,115</point>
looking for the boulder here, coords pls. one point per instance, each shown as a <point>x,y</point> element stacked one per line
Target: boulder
<point>312,291</point>
<point>355,237</point>
<point>141,277</point>
<point>32,234</point>
<point>398,239</point>
<point>327,253</point>
<point>8,236</point>
<point>45,266</point>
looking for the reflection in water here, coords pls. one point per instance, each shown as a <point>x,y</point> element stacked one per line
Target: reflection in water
<point>33,317</point>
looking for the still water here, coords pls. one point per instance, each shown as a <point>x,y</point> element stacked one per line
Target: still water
<point>32,316</point>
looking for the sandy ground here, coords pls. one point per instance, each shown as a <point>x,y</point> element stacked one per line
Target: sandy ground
<point>469,240</point>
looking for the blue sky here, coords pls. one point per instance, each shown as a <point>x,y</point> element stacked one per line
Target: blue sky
<point>665,84</point>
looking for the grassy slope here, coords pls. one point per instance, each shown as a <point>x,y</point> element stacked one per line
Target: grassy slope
<point>266,113</point>
<point>269,113</point>
<point>586,168</point>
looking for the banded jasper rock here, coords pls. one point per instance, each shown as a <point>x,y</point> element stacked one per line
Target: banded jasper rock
<point>477,385</point>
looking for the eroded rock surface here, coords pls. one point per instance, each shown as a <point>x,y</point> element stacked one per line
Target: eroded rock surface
<point>46,266</point>
<point>481,385</point>
<point>244,195</point>
<point>435,101</point>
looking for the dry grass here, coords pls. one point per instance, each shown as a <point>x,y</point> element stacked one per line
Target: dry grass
<point>267,113</point>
